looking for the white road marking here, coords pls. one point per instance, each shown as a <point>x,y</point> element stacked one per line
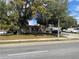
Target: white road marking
<point>34,52</point>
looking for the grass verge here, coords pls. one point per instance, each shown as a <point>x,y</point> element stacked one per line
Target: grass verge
<point>18,37</point>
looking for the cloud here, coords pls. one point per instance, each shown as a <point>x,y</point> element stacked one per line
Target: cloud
<point>77,17</point>
<point>73,14</point>
<point>70,1</point>
<point>77,8</point>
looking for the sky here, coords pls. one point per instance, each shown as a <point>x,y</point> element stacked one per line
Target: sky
<point>73,7</point>
<point>32,22</point>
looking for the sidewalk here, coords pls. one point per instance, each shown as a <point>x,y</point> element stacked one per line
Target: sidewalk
<point>12,43</point>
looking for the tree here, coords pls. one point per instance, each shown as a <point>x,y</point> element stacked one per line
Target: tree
<point>18,14</point>
<point>14,15</point>
<point>40,11</point>
<point>58,11</point>
<point>3,15</point>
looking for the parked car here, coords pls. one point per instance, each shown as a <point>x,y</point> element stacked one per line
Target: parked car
<point>76,30</point>
<point>3,32</point>
<point>69,30</point>
<point>72,30</point>
<point>64,30</point>
<point>53,30</point>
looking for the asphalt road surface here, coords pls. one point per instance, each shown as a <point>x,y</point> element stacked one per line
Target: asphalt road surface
<point>43,51</point>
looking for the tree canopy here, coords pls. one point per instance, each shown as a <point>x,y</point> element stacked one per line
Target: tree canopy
<point>15,14</point>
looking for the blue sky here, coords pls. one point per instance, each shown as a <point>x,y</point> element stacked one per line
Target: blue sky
<point>32,22</point>
<point>73,7</point>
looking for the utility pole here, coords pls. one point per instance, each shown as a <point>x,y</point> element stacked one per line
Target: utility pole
<point>59,3</point>
<point>58,28</point>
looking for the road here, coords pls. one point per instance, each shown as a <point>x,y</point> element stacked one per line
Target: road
<point>41,51</point>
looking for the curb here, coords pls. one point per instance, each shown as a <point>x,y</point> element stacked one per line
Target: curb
<point>36,40</point>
